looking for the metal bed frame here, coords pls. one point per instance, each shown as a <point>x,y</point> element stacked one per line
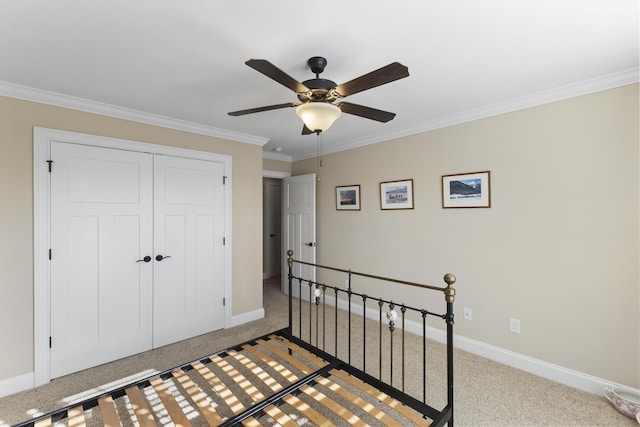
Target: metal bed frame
<point>317,297</point>
<point>283,376</point>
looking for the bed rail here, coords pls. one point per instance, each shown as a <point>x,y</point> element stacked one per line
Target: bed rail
<point>313,323</point>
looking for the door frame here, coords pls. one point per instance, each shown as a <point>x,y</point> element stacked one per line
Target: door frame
<point>42,138</point>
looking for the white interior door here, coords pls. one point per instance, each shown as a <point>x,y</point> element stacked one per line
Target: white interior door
<point>299,225</point>
<point>188,255</point>
<point>101,225</point>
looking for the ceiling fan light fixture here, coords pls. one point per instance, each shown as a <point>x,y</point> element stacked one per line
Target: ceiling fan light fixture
<point>318,116</point>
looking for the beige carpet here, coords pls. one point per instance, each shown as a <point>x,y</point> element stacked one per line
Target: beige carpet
<point>486,393</point>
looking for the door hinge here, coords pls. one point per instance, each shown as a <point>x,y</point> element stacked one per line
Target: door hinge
<point>49,254</point>
<point>49,162</point>
<point>224,241</point>
<point>224,180</point>
<point>224,302</point>
<point>50,342</point>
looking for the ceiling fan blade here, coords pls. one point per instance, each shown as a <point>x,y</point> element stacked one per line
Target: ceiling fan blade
<point>306,130</point>
<point>266,108</point>
<point>384,75</point>
<point>366,112</point>
<point>268,69</point>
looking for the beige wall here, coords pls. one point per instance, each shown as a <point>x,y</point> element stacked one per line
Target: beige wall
<point>276,165</point>
<point>17,119</point>
<point>558,249</point>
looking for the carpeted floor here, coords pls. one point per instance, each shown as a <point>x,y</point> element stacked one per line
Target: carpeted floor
<point>486,393</point>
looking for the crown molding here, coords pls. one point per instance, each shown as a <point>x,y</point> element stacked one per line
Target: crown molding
<point>25,93</point>
<point>276,156</point>
<point>585,87</point>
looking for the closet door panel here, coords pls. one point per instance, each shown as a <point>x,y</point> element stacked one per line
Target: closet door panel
<point>189,226</point>
<point>101,224</point>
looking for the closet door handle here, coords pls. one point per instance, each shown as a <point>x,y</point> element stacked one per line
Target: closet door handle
<point>145,259</point>
<point>160,257</point>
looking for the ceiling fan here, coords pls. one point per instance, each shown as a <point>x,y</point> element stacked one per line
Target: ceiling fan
<point>317,96</point>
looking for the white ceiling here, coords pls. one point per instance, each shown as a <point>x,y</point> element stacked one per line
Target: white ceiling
<point>181,63</point>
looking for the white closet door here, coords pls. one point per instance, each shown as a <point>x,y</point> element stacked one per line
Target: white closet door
<point>189,227</point>
<point>101,224</point>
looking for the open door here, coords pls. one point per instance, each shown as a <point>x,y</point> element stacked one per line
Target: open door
<point>299,225</point>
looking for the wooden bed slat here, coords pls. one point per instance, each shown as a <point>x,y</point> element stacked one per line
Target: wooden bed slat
<point>257,371</point>
<point>364,405</point>
<point>313,358</point>
<point>251,422</point>
<point>218,386</point>
<point>252,391</point>
<point>45,422</point>
<point>239,379</point>
<point>280,417</point>
<point>170,403</point>
<point>224,392</point>
<point>372,391</point>
<point>325,400</point>
<point>361,403</point>
<point>76,417</point>
<point>140,407</point>
<point>108,412</point>
<point>283,354</point>
<point>333,406</point>
<point>277,366</point>
<point>304,409</point>
<point>198,397</point>
<point>383,397</point>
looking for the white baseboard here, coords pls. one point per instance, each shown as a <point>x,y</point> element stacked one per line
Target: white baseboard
<point>550,371</point>
<point>16,384</point>
<point>248,316</point>
<point>562,375</point>
<point>559,374</point>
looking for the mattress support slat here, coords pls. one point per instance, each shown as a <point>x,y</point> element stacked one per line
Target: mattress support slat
<point>108,412</point>
<point>276,397</point>
<point>140,407</point>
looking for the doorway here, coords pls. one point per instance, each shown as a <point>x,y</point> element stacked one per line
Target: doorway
<point>270,251</point>
<point>272,224</point>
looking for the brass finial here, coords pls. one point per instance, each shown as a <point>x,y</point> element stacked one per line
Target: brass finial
<point>290,259</point>
<point>449,291</point>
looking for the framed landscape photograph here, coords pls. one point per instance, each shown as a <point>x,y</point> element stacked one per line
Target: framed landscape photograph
<point>467,190</point>
<point>396,194</point>
<point>348,198</point>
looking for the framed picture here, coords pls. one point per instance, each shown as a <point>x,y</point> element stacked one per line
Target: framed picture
<point>396,194</point>
<point>467,190</point>
<point>348,198</point>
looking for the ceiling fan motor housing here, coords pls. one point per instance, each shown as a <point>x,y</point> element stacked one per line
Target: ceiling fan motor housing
<point>317,64</point>
<point>319,89</point>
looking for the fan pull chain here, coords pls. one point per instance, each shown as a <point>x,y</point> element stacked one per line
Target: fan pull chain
<point>319,155</point>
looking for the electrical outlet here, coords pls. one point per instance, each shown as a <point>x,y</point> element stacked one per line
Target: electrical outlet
<point>467,313</point>
<point>514,325</point>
